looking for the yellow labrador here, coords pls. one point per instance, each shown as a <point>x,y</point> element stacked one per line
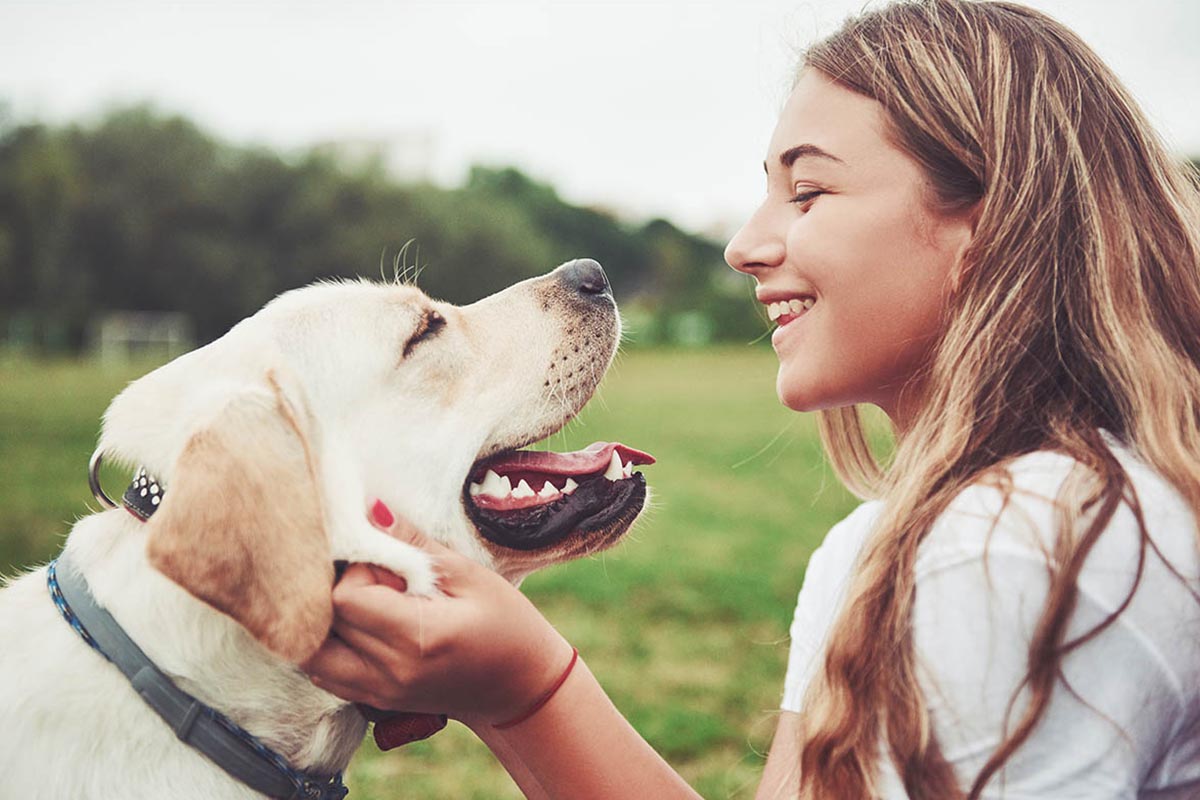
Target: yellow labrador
<point>263,453</point>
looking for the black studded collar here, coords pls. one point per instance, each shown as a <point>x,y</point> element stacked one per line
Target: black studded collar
<point>143,496</point>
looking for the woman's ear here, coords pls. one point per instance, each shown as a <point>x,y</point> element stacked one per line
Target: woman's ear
<point>242,525</point>
<point>966,225</point>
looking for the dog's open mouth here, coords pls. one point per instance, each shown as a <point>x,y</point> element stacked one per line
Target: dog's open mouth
<point>528,500</point>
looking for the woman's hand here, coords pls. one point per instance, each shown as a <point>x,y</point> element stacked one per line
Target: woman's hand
<point>479,652</point>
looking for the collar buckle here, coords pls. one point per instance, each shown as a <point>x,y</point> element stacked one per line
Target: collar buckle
<point>330,789</point>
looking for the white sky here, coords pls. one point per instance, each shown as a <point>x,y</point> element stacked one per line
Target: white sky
<point>647,108</point>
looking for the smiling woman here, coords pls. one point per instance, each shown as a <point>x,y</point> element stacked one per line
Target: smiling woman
<point>847,233</point>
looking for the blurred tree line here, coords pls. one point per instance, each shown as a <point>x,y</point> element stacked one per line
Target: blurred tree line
<point>145,211</point>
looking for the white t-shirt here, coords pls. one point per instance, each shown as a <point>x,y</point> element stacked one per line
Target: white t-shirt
<point>973,621</point>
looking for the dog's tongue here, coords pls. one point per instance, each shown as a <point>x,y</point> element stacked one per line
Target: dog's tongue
<point>593,458</point>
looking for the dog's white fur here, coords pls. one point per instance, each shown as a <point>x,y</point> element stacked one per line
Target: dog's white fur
<point>273,442</point>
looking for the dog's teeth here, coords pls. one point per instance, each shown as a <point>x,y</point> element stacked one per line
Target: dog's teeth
<point>523,490</point>
<point>570,486</point>
<point>475,489</point>
<point>548,491</point>
<point>615,471</point>
<point>495,486</point>
<point>628,470</point>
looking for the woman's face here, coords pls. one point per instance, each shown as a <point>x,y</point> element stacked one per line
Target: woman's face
<point>846,246</point>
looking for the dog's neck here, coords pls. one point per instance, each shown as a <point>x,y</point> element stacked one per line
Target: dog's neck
<point>208,654</point>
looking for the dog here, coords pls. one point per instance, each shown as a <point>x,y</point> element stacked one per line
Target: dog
<point>265,451</point>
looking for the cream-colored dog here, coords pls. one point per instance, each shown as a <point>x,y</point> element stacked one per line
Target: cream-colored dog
<point>272,444</point>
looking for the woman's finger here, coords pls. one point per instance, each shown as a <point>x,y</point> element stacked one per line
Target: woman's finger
<point>385,656</point>
<point>351,694</point>
<point>380,611</point>
<point>335,661</point>
<point>383,677</point>
<point>359,574</point>
<point>450,563</point>
<point>405,531</point>
<point>372,704</point>
<point>399,527</point>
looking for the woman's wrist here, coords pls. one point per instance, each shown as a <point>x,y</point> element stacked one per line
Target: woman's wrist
<point>536,675</point>
<point>544,698</point>
<point>579,746</point>
<point>532,658</point>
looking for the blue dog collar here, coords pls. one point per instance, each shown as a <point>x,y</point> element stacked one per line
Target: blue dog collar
<point>201,727</point>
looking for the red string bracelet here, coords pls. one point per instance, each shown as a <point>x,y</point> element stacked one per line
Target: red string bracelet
<point>545,698</point>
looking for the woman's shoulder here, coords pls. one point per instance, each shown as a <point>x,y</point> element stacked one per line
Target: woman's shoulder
<point>855,526</point>
<point>831,565</point>
<point>983,581</point>
<point>1145,563</point>
<point>1022,505</point>
<point>844,541</point>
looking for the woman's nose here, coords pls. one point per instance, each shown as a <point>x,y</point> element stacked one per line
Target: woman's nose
<point>756,246</point>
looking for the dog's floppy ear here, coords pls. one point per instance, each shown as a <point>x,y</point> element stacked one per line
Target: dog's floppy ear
<point>242,526</point>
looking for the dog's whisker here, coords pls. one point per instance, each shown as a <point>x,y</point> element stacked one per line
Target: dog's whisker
<point>382,261</point>
<point>404,274</point>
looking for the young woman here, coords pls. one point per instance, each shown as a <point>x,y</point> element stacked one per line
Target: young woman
<point>969,224</point>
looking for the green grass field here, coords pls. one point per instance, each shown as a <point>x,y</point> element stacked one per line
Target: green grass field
<point>684,623</point>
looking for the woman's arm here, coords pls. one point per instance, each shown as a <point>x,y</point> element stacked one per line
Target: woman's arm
<point>579,745</point>
<point>781,777</point>
<point>481,653</point>
<point>512,763</point>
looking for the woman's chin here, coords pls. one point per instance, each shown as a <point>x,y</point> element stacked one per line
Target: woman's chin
<point>795,405</point>
<point>800,394</point>
<point>795,395</point>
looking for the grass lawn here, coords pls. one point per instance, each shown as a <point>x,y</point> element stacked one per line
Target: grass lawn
<point>684,623</point>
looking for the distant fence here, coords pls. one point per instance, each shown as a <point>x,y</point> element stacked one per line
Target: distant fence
<point>643,326</point>
<point>137,335</point>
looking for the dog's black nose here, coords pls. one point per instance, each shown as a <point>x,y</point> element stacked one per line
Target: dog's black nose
<point>586,276</point>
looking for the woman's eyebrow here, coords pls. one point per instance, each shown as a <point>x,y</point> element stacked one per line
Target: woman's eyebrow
<point>794,154</point>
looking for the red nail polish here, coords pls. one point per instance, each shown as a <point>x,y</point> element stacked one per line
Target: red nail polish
<point>382,515</point>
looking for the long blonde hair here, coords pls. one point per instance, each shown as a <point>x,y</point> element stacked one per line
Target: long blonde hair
<point>1078,310</point>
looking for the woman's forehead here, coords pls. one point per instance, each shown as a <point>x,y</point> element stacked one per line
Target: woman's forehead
<point>828,126</point>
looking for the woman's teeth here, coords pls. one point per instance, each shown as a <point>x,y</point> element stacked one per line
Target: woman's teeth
<point>795,307</point>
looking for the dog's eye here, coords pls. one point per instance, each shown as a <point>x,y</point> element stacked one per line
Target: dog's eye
<point>429,326</point>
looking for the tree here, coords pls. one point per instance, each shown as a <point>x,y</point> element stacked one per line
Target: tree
<point>145,211</point>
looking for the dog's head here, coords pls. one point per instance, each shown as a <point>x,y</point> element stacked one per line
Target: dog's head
<point>274,440</point>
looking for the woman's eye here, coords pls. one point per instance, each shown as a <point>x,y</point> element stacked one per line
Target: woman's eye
<point>806,197</point>
<point>431,324</point>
